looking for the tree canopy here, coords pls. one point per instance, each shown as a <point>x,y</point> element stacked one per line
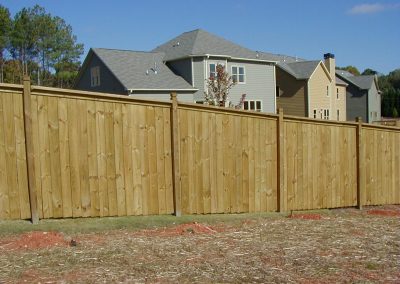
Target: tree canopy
<point>40,45</point>
<point>390,88</point>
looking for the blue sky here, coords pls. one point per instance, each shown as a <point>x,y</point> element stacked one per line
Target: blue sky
<point>365,34</point>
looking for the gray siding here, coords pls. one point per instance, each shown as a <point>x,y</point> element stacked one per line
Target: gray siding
<point>198,78</point>
<point>182,68</point>
<point>356,103</point>
<point>163,96</point>
<point>259,84</point>
<point>374,104</point>
<point>108,82</point>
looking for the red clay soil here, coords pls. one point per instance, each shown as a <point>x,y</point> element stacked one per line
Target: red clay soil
<point>34,240</point>
<point>384,212</point>
<point>311,216</point>
<point>183,229</point>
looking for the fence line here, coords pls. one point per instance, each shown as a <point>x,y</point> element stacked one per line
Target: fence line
<point>67,153</point>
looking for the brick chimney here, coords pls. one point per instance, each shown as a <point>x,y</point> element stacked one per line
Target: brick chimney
<point>330,64</point>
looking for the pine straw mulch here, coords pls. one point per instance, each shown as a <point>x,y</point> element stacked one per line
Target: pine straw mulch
<point>344,245</point>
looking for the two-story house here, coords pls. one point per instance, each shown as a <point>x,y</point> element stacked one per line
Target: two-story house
<point>182,64</point>
<point>194,55</point>
<point>362,96</point>
<point>309,88</point>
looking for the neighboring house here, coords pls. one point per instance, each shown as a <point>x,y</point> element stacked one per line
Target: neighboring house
<point>135,73</point>
<point>309,88</point>
<point>363,97</point>
<point>194,55</point>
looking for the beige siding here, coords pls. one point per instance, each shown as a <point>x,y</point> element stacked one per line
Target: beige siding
<point>291,94</point>
<point>317,93</point>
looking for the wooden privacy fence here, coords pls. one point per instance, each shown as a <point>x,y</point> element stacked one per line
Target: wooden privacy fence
<point>67,153</point>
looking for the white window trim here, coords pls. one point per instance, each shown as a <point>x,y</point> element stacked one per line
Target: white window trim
<point>244,73</point>
<point>255,105</point>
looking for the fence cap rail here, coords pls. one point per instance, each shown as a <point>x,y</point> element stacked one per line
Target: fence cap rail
<point>223,110</point>
<point>94,95</point>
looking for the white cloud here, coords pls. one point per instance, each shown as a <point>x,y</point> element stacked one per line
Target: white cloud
<point>372,8</point>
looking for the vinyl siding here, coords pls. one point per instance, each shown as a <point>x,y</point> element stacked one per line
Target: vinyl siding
<point>317,92</point>
<point>356,103</point>
<point>198,78</point>
<point>291,98</point>
<point>374,104</point>
<point>108,82</point>
<point>182,68</point>
<point>259,84</point>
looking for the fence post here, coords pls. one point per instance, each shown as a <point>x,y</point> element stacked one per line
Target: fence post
<point>281,161</point>
<point>29,149</point>
<point>360,163</point>
<point>175,155</point>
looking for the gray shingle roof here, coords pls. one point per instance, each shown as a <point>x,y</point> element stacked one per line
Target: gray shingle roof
<point>364,82</point>
<point>200,42</point>
<point>130,68</point>
<point>300,70</point>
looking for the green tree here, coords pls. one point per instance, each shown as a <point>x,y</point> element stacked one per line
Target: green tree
<point>45,47</point>
<point>5,28</point>
<point>369,71</point>
<point>395,113</point>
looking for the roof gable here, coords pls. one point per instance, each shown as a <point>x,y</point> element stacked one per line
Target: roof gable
<point>202,43</point>
<point>363,82</point>
<point>301,70</point>
<point>138,70</point>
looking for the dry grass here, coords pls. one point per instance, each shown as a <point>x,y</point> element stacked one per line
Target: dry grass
<point>343,246</point>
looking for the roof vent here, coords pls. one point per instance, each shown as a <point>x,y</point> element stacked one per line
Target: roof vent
<point>329,55</point>
<point>176,44</point>
<point>257,55</point>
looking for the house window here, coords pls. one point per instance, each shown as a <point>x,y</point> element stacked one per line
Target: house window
<point>255,105</point>
<point>338,115</point>
<point>238,74</point>
<point>95,76</point>
<point>337,93</point>
<point>213,71</point>
<point>326,114</point>
<point>315,113</point>
<point>327,90</point>
<point>278,94</point>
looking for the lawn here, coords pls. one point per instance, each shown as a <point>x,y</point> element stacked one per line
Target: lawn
<point>342,245</point>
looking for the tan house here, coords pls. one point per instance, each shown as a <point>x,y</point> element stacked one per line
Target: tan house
<point>310,88</point>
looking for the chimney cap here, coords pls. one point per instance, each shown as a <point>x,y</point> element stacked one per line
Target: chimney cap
<point>329,55</point>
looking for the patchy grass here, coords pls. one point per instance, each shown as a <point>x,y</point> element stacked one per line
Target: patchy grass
<point>345,245</point>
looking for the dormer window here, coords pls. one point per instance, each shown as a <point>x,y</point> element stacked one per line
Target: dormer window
<point>95,76</point>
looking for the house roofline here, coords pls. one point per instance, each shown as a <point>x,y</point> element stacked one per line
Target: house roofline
<point>224,56</point>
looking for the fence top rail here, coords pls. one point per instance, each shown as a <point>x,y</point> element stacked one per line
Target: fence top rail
<point>5,87</point>
<point>49,91</point>
<point>380,127</point>
<point>226,110</point>
<point>292,118</point>
<point>58,92</point>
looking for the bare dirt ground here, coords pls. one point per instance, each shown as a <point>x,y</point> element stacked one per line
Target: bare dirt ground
<point>335,246</point>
